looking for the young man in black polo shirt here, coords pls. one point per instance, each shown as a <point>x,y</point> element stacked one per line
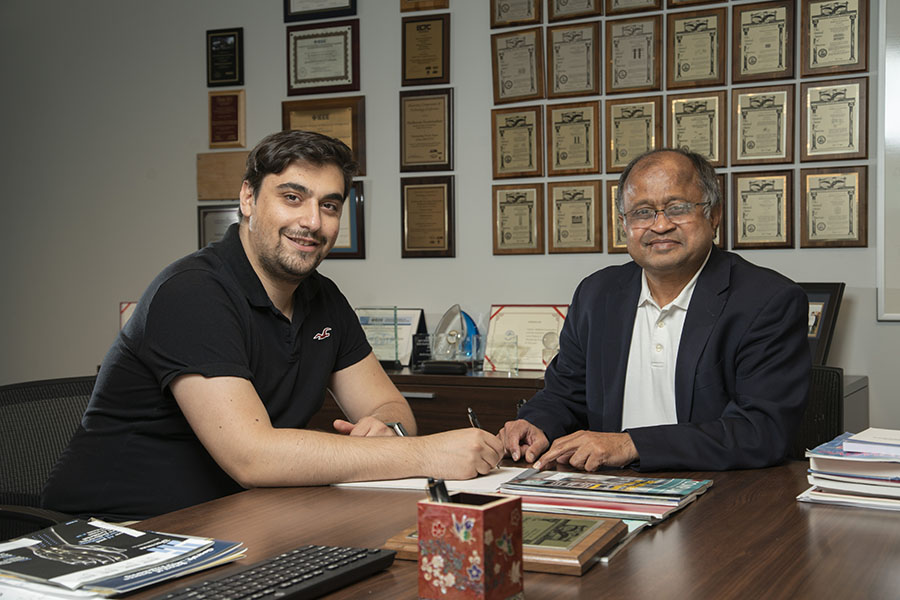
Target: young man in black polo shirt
<point>228,355</point>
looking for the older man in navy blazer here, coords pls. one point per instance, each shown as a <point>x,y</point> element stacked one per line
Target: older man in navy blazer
<point>688,357</point>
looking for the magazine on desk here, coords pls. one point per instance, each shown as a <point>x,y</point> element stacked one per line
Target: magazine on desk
<point>106,559</point>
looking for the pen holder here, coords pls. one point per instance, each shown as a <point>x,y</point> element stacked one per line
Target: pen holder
<point>470,547</point>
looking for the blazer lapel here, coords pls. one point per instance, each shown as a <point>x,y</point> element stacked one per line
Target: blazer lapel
<point>620,311</point>
<point>707,303</point>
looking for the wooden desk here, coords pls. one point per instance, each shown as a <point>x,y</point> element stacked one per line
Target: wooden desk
<point>747,537</point>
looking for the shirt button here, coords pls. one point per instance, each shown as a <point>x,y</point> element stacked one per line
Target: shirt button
<point>659,348</point>
<point>660,324</point>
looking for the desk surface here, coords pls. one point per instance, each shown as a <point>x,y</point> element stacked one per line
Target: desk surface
<point>747,537</point>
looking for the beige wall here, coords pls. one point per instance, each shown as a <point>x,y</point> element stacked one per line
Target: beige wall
<point>104,111</point>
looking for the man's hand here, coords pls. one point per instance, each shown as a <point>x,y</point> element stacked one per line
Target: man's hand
<point>366,427</point>
<point>589,450</point>
<point>458,454</point>
<point>521,438</point>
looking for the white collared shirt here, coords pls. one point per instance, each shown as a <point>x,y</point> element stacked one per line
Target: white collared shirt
<point>650,378</point>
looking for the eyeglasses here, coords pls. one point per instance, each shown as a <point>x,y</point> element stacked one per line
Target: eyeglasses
<point>675,213</point>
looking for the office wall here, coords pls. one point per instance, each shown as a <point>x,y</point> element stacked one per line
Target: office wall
<point>104,112</point>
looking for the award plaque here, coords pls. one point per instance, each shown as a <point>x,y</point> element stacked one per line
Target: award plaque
<point>763,41</point>
<point>341,118</point>
<point>562,10</point>
<point>306,10</point>
<point>411,5</point>
<point>426,50</point>
<point>618,7</point>
<point>518,212</point>
<point>511,13</point>
<point>517,142</point>
<point>696,48</point>
<point>517,62</point>
<point>633,54</point>
<point>426,217</point>
<point>633,126</point>
<point>763,210</point>
<point>682,3</point>
<point>350,241</point>
<point>426,130</point>
<point>617,242</point>
<point>573,138</point>
<point>833,125</point>
<point>573,60</point>
<point>323,57</point>
<point>834,36</point>
<point>697,123</point>
<point>225,57</point>
<point>833,207</point>
<point>227,126</point>
<point>574,211</point>
<point>213,221</point>
<point>762,126</point>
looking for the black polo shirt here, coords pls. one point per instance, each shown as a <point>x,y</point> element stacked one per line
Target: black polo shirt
<point>135,454</point>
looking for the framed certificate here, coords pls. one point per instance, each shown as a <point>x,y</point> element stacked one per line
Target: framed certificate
<point>213,221</point>
<point>833,124</point>
<point>573,138</point>
<point>426,50</point>
<point>697,123</point>
<point>225,57</point>
<point>763,41</point>
<point>518,212</point>
<point>762,128</point>
<point>574,217</point>
<point>633,54</point>
<point>561,10</point>
<point>618,7</point>
<point>323,57</point>
<point>763,209</point>
<point>616,242</point>
<point>833,207</point>
<point>682,3</point>
<point>511,13</point>
<point>532,330</point>
<point>834,36</point>
<point>517,62</point>
<point>351,240</point>
<point>341,118</point>
<point>426,130</point>
<point>517,142</point>
<point>426,217</point>
<point>633,126</point>
<point>696,48</point>
<point>227,125</point>
<point>411,5</point>
<point>573,60</point>
<point>310,10</point>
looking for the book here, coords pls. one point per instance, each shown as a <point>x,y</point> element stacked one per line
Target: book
<point>831,457</point>
<point>551,543</point>
<point>598,508</point>
<point>876,440</point>
<point>647,490</point>
<point>820,496</point>
<point>106,559</point>
<point>827,483</point>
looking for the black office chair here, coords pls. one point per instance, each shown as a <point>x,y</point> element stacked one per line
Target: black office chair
<point>37,420</point>
<point>824,417</point>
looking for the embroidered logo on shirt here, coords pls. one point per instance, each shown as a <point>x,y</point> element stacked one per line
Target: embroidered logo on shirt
<point>326,333</point>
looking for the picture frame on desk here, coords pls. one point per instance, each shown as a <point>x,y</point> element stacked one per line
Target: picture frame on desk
<point>351,240</point>
<point>343,118</point>
<point>824,304</point>
<point>304,10</point>
<point>323,58</point>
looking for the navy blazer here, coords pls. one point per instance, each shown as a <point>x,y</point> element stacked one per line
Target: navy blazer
<point>741,375</point>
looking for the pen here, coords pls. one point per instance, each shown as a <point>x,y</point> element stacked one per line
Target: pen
<point>398,428</point>
<point>473,418</point>
<point>437,490</point>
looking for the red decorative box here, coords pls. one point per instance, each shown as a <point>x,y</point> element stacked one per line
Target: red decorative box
<point>471,547</point>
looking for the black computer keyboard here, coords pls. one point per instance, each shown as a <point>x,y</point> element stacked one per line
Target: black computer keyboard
<point>306,572</point>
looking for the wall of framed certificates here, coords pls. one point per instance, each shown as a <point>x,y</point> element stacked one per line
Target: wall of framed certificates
<point>773,93</point>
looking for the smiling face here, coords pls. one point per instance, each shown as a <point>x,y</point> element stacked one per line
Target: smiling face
<point>665,250</point>
<point>292,220</point>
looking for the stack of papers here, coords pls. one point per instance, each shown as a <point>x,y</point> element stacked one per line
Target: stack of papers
<point>843,477</point>
<point>91,559</point>
<point>645,498</point>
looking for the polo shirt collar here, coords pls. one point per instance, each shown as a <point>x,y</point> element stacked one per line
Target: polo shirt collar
<point>683,299</point>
